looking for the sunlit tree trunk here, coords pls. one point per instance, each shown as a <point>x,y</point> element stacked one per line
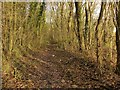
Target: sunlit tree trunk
<point>61,25</point>
<point>97,36</point>
<point>69,22</point>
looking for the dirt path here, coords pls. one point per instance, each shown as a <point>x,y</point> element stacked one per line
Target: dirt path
<point>51,68</point>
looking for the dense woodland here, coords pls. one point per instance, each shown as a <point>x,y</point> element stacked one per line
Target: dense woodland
<point>61,44</point>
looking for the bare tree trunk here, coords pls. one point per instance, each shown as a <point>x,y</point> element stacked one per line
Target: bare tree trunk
<point>86,28</point>
<point>0,45</point>
<point>61,25</point>
<point>78,12</point>
<point>68,26</point>
<point>118,38</point>
<point>97,37</point>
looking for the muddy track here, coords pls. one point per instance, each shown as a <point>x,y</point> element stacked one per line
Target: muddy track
<point>50,68</point>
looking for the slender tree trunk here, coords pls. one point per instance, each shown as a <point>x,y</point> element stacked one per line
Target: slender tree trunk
<point>61,25</point>
<point>118,38</point>
<point>78,13</point>
<point>68,26</point>
<point>96,35</point>
<point>86,28</point>
<point>12,28</point>
<point>1,45</point>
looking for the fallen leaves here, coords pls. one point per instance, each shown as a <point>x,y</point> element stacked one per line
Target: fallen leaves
<point>74,86</point>
<point>55,69</point>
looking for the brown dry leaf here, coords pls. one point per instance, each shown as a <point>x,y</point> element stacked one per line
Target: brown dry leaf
<point>74,86</point>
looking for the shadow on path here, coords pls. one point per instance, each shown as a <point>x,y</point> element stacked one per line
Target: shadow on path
<point>53,68</point>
